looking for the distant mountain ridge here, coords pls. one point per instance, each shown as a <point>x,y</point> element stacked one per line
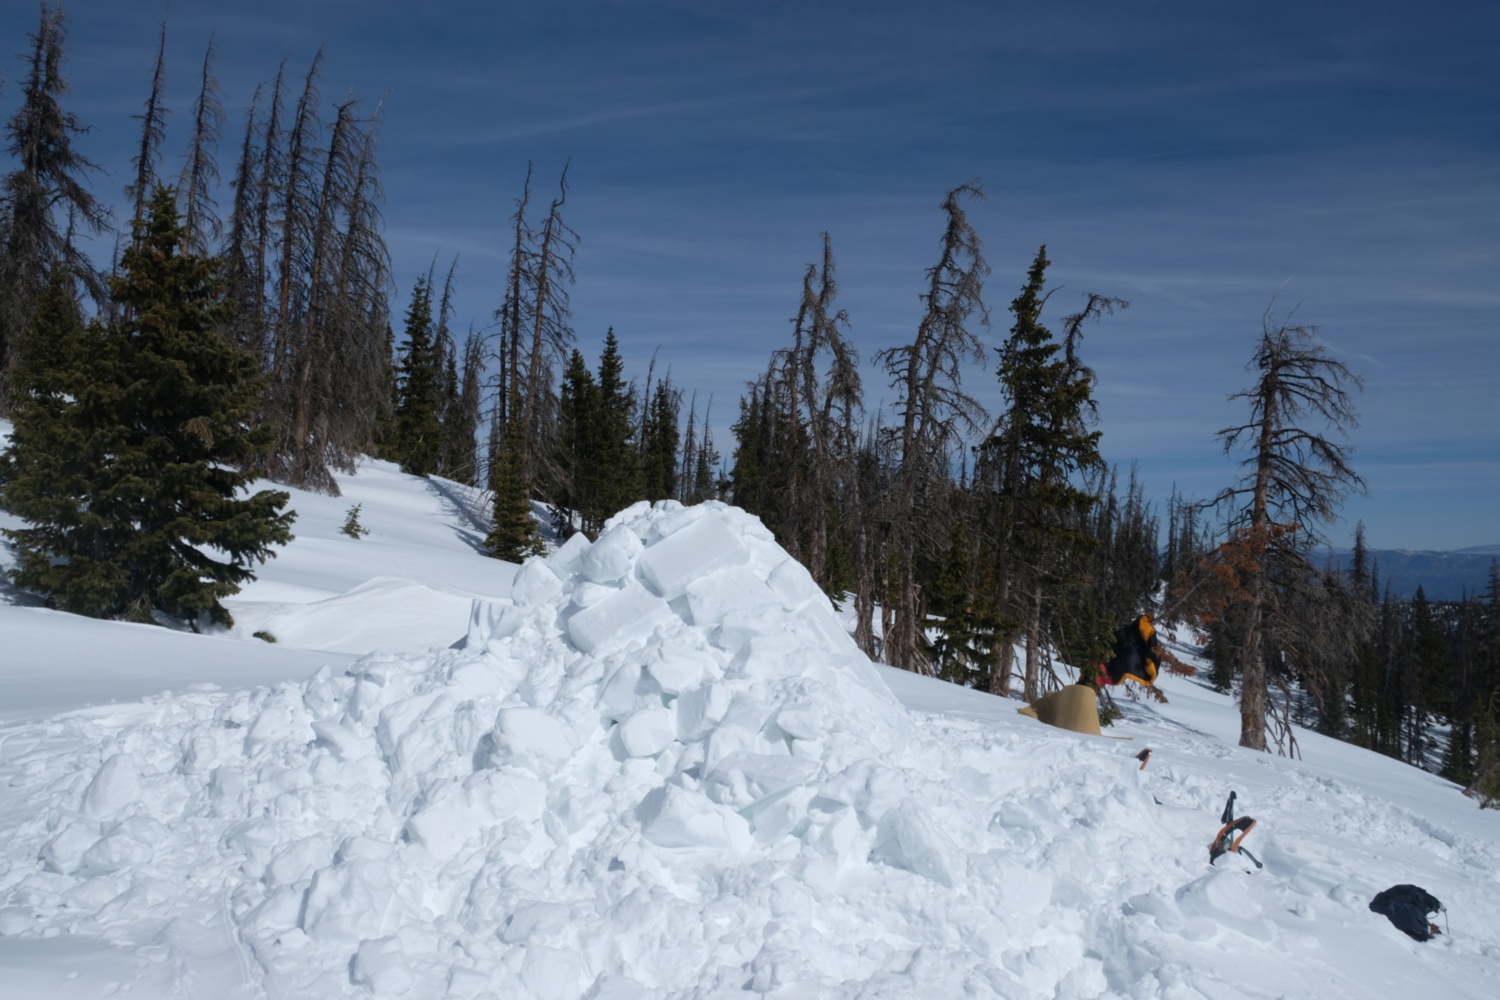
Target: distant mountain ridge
<point>1443,576</point>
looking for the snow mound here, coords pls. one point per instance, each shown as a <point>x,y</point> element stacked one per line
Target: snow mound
<point>517,815</point>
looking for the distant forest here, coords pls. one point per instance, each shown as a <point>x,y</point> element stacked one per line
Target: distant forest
<point>245,330</point>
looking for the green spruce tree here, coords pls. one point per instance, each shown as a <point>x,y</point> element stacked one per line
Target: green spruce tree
<point>129,441</point>
<point>513,534</point>
<point>419,385</point>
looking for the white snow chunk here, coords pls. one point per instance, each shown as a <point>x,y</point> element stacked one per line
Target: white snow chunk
<point>700,710</point>
<point>535,583</point>
<point>64,852</point>
<point>649,732</point>
<point>910,838</point>
<point>531,739</point>
<point>341,741</point>
<point>696,550</point>
<point>352,901</point>
<point>742,779</point>
<point>381,965</point>
<point>676,671</point>
<point>564,561</point>
<point>794,585</point>
<point>630,614</point>
<point>611,557</point>
<point>672,816</point>
<point>712,597</point>
<point>552,972</point>
<point>115,787</point>
<point>492,621</point>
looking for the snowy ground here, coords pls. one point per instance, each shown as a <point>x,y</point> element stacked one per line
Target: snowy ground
<point>656,767</point>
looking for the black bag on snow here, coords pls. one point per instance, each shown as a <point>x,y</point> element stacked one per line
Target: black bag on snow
<point>1408,906</point>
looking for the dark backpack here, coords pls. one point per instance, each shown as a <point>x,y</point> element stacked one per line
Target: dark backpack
<point>1408,907</point>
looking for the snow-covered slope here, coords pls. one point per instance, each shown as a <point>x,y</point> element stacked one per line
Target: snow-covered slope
<point>657,767</point>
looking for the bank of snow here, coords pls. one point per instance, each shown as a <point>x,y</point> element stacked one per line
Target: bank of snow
<point>661,769</point>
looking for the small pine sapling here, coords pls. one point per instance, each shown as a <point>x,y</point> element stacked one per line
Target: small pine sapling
<point>352,527</point>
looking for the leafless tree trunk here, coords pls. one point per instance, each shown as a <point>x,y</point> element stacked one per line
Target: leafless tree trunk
<point>153,130</point>
<point>200,172</point>
<point>1295,479</point>
<point>934,411</point>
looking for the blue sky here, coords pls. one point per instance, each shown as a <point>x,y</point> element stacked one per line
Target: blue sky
<point>1205,161</point>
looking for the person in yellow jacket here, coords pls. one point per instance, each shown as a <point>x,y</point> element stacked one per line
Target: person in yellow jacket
<point>1137,656</point>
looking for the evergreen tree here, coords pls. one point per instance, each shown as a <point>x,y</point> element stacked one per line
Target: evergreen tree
<point>618,461</point>
<point>44,200</point>
<point>419,432</point>
<point>662,438</point>
<point>128,443</point>
<point>1429,674</point>
<point>461,418</point>
<point>1040,445</point>
<point>577,445</point>
<point>513,535</point>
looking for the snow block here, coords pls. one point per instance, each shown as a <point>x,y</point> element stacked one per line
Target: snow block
<point>742,779</point>
<point>531,739</point>
<point>700,710</point>
<point>552,972</point>
<point>626,691</point>
<point>908,838</point>
<point>794,585</point>
<point>678,671</point>
<point>698,549</point>
<point>491,621</point>
<point>872,788</point>
<point>737,588</point>
<point>381,965</point>
<point>627,615</point>
<point>674,817</point>
<point>131,842</point>
<point>64,852</point>
<point>535,583</point>
<point>350,902</point>
<point>771,656</point>
<point>648,732</point>
<point>114,787</point>
<point>564,561</point>
<point>611,557</point>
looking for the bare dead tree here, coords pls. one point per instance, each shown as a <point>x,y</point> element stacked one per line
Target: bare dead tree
<point>935,413</point>
<point>1294,480</point>
<point>551,334</point>
<point>200,171</point>
<point>245,283</point>
<point>153,131</point>
<point>512,318</point>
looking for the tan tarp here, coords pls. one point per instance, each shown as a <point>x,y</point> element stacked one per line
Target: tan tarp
<point>1075,707</point>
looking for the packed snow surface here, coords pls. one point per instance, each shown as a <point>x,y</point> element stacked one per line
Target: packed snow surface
<point>661,769</point>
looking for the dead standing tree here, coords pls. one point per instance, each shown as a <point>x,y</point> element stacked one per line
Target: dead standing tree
<point>816,416</point>
<point>200,171</point>
<point>934,414</point>
<point>1295,479</point>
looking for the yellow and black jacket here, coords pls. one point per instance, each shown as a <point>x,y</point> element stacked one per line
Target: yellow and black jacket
<point>1137,654</point>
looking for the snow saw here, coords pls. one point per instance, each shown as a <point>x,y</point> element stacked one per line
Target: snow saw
<point>1232,835</point>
